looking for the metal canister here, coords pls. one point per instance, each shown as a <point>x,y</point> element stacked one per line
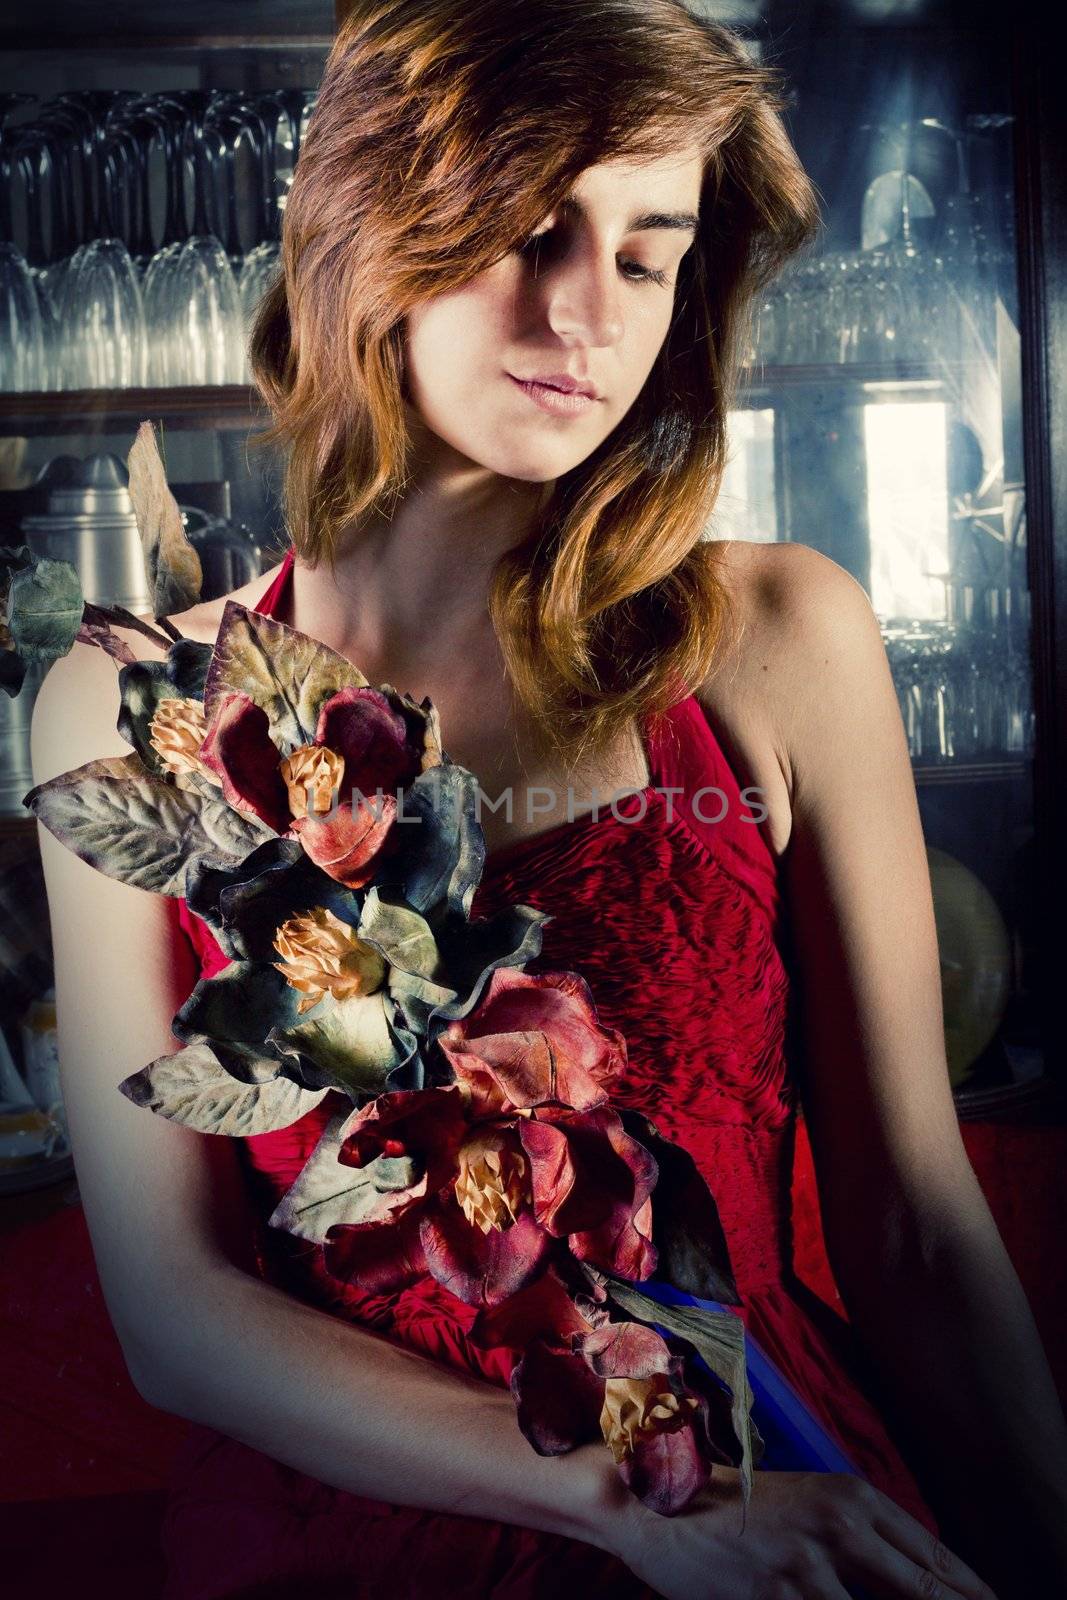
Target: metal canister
<point>16,773</point>
<point>89,521</point>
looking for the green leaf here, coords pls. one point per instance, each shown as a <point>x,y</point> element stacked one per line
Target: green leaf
<point>192,1087</point>
<point>327,1192</point>
<point>417,998</point>
<point>401,936</point>
<point>285,672</point>
<point>473,950</point>
<point>44,609</point>
<point>441,853</point>
<point>345,1044</point>
<point>131,826</point>
<point>234,1012</point>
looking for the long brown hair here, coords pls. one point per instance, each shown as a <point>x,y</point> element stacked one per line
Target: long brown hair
<point>444,132</point>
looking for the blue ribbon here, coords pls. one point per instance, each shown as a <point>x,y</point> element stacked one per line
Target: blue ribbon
<point>796,1440</point>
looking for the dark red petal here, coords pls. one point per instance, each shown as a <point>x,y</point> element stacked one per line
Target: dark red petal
<point>346,842</point>
<point>238,749</point>
<point>483,1269</point>
<point>622,1245</point>
<point>605,1157</point>
<point>360,725</point>
<point>666,1470</point>
<point>375,1257</point>
<point>625,1350</point>
<point>587,1173</point>
<point>430,1124</point>
<point>543,1310</point>
<point>558,1399</point>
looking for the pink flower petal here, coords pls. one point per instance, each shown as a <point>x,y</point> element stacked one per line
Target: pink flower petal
<point>666,1470</point>
<point>493,1048</point>
<point>483,1269</point>
<point>625,1350</point>
<point>347,842</point>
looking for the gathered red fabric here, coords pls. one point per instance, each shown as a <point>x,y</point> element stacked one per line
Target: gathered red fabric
<point>668,906</point>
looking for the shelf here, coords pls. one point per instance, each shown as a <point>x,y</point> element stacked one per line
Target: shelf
<point>1008,769</point>
<point>235,406</point>
<point>111,24</point>
<point>1037,1100</point>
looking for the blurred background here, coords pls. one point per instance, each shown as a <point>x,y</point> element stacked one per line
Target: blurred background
<point>900,413</point>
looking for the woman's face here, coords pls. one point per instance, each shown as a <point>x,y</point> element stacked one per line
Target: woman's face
<point>591,298</point>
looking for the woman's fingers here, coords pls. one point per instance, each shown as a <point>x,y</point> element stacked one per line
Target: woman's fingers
<point>929,1571</point>
<point>917,1543</point>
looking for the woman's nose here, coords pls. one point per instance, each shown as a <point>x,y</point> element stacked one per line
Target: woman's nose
<point>584,301</point>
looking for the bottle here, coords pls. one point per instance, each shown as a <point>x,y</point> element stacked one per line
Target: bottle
<point>40,1053</point>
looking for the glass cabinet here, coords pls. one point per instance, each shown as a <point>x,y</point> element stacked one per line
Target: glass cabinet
<point>891,414</point>
<point>883,423</point>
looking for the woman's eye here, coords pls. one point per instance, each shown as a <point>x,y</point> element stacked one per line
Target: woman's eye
<point>646,274</point>
<point>633,271</point>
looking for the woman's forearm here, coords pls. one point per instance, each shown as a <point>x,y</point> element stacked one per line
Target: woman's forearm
<point>950,1334</point>
<point>354,1410</point>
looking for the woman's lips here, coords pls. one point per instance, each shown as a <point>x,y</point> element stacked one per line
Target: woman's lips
<point>554,400</point>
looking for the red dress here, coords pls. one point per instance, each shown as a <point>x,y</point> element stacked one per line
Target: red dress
<point>672,918</point>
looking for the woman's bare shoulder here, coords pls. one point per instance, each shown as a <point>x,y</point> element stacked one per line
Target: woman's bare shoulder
<point>768,577</point>
<point>788,600</point>
<point>787,604</point>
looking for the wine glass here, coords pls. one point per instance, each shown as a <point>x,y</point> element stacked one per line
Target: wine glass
<point>22,360</point>
<point>261,267</point>
<point>102,318</point>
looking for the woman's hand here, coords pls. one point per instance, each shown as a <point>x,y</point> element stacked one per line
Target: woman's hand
<point>807,1536</point>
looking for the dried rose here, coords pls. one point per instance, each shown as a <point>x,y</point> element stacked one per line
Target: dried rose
<point>176,733</point>
<point>579,1376</point>
<point>636,1409</point>
<point>525,1167</point>
<point>325,955</point>
<point>361,742</point>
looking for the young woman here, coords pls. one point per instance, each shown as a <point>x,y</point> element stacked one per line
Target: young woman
<point>500,205</point>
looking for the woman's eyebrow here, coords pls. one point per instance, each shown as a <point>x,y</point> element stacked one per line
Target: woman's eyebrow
<point>686,221</point>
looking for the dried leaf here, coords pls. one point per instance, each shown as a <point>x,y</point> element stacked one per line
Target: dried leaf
<point>192,1087</point>
<point>175,576</point>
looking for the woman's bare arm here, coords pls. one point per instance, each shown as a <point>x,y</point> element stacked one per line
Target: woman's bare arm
<point>202,1335</point>
<point>916,1254</point>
